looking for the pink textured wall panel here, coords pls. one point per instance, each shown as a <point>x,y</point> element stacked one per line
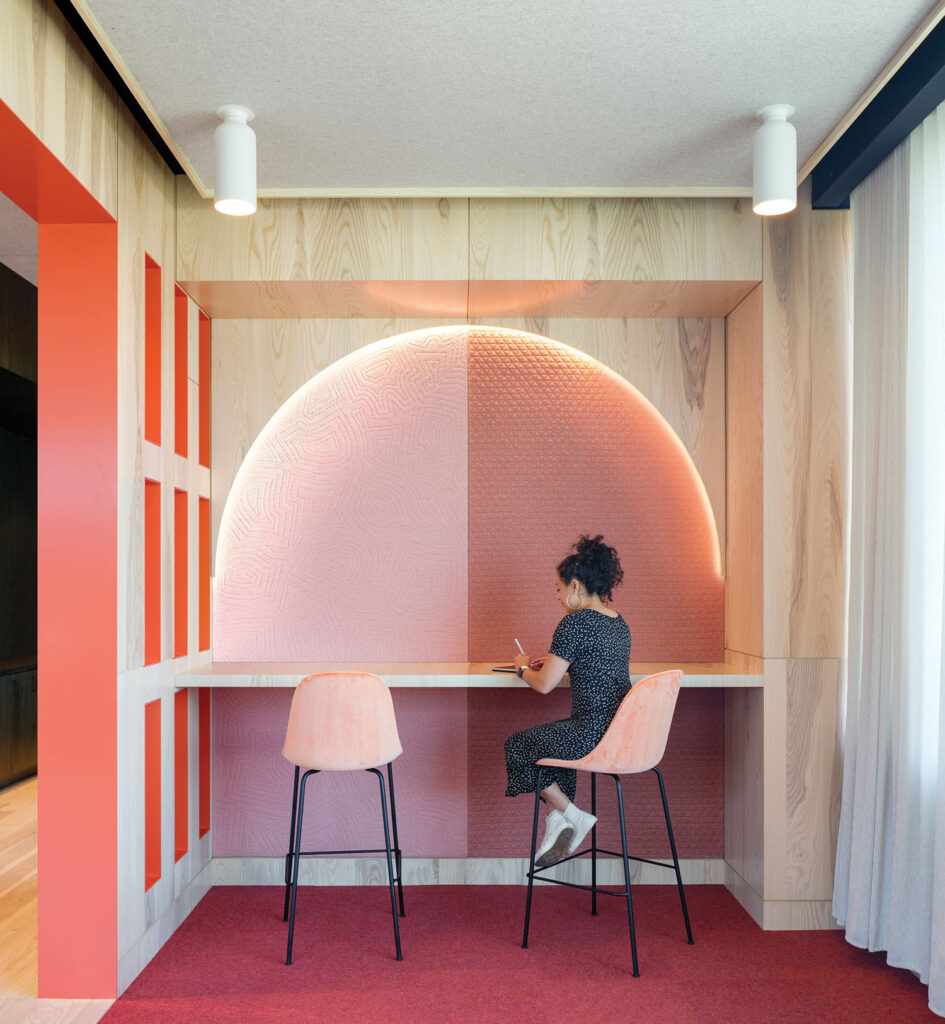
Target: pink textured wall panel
<point>344,534</point>
<point>252,782</point>
<point>692,770</point>
<point>559,446</point>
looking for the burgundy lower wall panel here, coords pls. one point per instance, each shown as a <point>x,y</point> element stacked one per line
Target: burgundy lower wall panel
<point>252,782</point>
<point>500,826</point>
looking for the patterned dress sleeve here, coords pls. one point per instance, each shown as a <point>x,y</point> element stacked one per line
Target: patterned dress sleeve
<point>567,640</point>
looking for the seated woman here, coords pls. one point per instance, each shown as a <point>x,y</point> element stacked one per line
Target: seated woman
<point>591,644</point>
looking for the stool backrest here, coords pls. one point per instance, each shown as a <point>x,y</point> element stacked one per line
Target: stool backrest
<point>636,738</point>
<point>341,721</point>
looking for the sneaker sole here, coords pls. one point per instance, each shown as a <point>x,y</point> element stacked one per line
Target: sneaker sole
<point>556,852</point>
<point>576,840</point>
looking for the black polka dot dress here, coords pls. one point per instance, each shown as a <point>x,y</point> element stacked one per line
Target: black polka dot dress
<point>597,648</point>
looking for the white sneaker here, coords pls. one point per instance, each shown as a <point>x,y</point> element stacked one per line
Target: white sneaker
<point>558,830</point>
<point>581,822</point>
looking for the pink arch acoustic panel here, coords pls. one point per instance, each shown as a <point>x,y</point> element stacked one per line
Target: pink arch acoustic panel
<point>410,503</point>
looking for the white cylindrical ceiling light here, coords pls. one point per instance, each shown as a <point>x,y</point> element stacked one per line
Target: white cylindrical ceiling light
<point>234,189</point>
<point>775,177</point>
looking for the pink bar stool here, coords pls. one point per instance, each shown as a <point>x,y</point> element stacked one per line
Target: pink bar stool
<point>634,742</point>
<point>339,722</point>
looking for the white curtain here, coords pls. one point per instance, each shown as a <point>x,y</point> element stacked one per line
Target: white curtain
<point>889,891</point>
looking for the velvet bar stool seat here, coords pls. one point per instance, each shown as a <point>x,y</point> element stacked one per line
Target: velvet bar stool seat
<point>341,721</point>
<point>634,742</point>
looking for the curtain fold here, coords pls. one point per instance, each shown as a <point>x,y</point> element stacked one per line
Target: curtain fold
<point>889,889</point>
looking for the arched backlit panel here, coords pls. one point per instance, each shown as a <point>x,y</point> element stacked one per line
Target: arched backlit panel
<point>559,445</point>
<point>345,534</point>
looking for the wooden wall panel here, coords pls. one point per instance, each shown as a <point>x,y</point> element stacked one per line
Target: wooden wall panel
<point>51,83</point>
<point>744,475</point>
<point>744,785</point>
<point>322,240</point>
<point>807,344</point>
<point>814,772</point>
<point>614,240</point>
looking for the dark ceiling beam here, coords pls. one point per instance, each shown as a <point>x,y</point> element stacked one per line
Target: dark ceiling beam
<point>915,90</point>
<point>101,58</point>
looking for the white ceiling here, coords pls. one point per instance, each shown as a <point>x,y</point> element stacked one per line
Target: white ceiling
<point>479,95</point>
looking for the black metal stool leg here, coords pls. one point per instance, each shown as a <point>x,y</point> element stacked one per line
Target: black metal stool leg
<point>672,846</point>
<point>531,862</point>
<point>393,821</point>
<point>291,853</point>
<point>295,868</point>
<point>390,865</point>
<point>626,875</point>
<point>594,844</point>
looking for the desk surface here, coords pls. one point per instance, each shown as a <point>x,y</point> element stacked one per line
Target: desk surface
<point>433,674</point>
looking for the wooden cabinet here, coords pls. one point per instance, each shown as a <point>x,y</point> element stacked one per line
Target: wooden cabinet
<point>17,723</point>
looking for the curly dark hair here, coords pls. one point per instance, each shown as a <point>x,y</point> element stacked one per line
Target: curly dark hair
<point>594,564</point>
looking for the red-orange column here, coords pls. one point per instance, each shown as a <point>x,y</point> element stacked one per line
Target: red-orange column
<point>180,372</point>
<point>152,572</point>
<point>152,793</point>
<point>180,574</point>
<point>152,351</point>
<point>181,774</point>
<point>77,434</point>
<point>203,576</point>
<point>203,407</point>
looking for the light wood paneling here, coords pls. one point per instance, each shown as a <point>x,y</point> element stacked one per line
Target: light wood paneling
<point>322,240</point>
<point>679,365</point>
<point>744,474</point>
<point>247,300</point>
<point>52,84</point>
<point>454,871</point>
<point>807,340</point>
<point>53,1011</point>
<point>814,772</point>
<point>744,785</point>
<point>300,300</point>
<point>614,240</point>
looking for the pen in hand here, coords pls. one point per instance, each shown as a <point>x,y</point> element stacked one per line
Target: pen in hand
<point>519,646</point>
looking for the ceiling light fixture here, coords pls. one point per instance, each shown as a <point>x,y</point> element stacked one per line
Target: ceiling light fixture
<point>775,184</point>
<point>234,191</point>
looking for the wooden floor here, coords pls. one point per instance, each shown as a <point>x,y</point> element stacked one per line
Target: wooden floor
<point>18,1002</point>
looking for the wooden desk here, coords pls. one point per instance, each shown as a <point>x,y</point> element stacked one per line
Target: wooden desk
<point>434,674</point>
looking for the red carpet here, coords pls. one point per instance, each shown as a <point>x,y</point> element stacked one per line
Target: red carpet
<point>463,962</point>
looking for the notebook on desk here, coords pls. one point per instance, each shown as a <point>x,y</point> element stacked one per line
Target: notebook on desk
<point>503,668</point>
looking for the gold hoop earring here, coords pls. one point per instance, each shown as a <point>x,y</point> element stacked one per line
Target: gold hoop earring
<point>574,608</point>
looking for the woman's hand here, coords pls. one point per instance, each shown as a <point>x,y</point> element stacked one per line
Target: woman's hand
<point>546,672</point>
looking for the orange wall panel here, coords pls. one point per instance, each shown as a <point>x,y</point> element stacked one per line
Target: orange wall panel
<point>152,572</point>
<point>181,774</point>
<point>152,351</point>
<point>180,372</point>
<point>203,576</point>
<point>203,747</point>
<point>152,793</point>
<point>203,410</point>
<point>180,574</point>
